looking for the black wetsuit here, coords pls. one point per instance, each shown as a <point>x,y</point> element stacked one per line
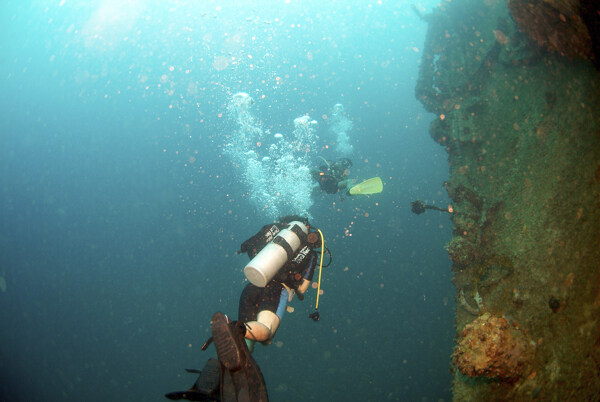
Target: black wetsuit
<point>328,183</point>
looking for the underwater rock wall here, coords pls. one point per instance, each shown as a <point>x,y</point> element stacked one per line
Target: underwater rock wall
<point>521,126</point>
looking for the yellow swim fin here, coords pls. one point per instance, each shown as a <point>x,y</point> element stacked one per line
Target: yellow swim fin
<point>371,186</point>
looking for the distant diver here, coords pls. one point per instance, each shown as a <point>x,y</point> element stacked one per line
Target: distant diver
<point>332,177</point>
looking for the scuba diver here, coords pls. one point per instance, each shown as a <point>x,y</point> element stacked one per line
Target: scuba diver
<point>333,176</point>
<point>290,243</point>
<point>283,259</point>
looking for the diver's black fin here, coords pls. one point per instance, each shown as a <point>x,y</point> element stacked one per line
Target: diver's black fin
<point>190,395</point>
<point>206,387</point>
<point>226,337</point>
<point>241,378</point>
<point>208,381</point>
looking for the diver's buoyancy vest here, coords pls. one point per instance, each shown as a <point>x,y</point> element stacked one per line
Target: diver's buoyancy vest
<point>265,235</point>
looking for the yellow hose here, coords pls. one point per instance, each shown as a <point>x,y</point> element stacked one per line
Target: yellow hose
<point>320,267</point>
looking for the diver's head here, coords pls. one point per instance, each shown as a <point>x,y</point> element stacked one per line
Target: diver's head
<point>290,218</point>
<point>346,163</point>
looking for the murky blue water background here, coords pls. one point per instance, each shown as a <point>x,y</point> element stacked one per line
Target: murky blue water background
<point>121,216</point>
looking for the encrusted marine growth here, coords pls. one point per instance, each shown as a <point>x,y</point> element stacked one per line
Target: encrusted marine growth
<point>461,251</point>
<point>556,25</point>
<point>493,348</point>
<point>457,48</point>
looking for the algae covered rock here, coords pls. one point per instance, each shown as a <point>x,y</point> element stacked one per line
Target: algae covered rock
<point>494,348</point>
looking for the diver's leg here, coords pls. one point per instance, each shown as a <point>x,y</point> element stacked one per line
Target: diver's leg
<point>261,309</point>
<point>264,328</point>
<point>248,308</point>
<point>345,183</point>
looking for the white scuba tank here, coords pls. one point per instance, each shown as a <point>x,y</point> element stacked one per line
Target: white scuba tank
<point>265,265</point>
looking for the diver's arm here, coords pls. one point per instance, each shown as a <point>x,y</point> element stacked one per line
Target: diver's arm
<point>303,286</point>
<point>307,274</point>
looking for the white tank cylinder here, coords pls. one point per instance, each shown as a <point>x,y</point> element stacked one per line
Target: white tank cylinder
<point>265,265</point>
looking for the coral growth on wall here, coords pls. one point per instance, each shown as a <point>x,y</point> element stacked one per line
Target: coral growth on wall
<point>516,107</point>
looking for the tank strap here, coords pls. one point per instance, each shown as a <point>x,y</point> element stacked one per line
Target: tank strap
<point>285,245</point>
<point>300,233</point>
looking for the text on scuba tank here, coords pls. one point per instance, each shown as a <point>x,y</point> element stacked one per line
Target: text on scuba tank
<point>301,255</point>
<point>271,233</point>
